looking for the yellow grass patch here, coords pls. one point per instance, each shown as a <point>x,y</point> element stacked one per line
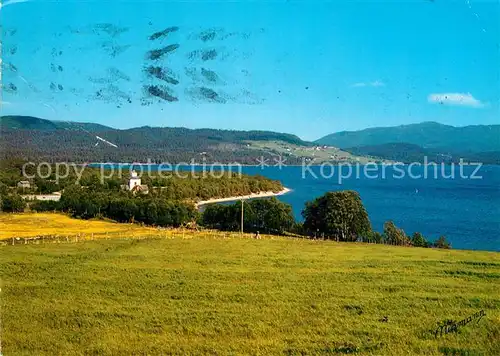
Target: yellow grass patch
<point>51,224</point>
<point>61,226</point>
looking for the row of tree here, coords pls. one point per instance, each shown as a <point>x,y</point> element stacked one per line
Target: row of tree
<point>269,216</point>
<point>338,216</point>
<point>393,235</point>
<point>121,206</point>
<point>185,185</point>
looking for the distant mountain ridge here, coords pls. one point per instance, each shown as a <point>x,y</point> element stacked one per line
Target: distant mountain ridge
<point>39,139</point>
<point>152,133</point>
<point>428,135</point>
<point>26,123</point>
<point>35,123</point>
<point>89,126</point>
<point>400,152</point>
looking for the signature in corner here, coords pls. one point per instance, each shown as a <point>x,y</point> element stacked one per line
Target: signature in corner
<point>448,326</point>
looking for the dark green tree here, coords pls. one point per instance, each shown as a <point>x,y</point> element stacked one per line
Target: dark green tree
<point>337,215</point>
<point>442,243</point>
<point>223,217</point>
<point>264,215</point>
<point>4,189</point>
<point>13,203</point>
<point>418,240</point>
<point>373,237</point>
<point>45,186</point>
<point>45,205</point>
<point>269,216</point>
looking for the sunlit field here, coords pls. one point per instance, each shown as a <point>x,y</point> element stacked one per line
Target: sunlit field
<point>62,226</point>
<point>57,227</point>
<point>215,293</point>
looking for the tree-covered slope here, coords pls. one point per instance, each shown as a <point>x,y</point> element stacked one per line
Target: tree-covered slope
<point>26,123</point>
<point>18,122</point>
<point>408,152</point>
<point>475,138</point>
<point>38,139</point>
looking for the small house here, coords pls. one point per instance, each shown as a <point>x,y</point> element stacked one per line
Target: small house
<point>24,184</point>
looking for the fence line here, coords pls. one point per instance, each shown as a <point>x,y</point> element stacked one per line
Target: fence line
<point>82,237</point>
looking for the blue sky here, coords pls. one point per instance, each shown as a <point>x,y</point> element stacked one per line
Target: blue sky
<point>308,68</point>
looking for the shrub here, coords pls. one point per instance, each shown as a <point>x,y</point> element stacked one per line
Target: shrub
<point>418,240</point>
<point>442,243</point>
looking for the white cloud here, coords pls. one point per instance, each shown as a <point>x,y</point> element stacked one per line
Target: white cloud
<point>457,99</point>
<point>376,83</point>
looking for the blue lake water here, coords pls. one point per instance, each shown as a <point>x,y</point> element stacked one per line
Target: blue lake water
<point>465,210</point>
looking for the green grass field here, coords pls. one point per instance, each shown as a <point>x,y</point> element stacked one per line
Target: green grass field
<point>234,296</point>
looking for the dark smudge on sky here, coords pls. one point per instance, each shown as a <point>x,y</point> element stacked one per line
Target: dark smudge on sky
<point>111,94</point>
<point>204,82</point>
<point>203,76</point>
<point>10,67</point>
<point>156,54</point>
<point>210,75</point>
<point>113,49</point>
<point>203,54</point>
<point>10,88</point>
<point>163,33</point>
<point>164,74</point>
<point>206,94</point>
<point>160,91</point>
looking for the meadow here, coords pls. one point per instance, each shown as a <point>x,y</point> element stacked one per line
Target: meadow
<point>60,226</point>
<point>302,152</point>
<point>146,291</point>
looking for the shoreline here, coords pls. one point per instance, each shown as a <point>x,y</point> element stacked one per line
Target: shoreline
<point>236,164</point>
<point>267,194</point>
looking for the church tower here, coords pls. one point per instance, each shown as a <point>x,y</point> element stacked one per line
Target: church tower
<point>134,180</point>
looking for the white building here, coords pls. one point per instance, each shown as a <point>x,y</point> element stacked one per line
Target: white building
<point>24,184</point>
<point>134,184</point>
<point>44,197</point>
<point>134,180</point>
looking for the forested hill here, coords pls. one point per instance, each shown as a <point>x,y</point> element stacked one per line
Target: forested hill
<point>415,142</point>
<point>35,123</point>
<point>38,139</point>
<point>428,135</point>
<point>407,153</point>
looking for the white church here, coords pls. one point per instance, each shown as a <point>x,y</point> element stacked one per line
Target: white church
<point>134,184</point>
